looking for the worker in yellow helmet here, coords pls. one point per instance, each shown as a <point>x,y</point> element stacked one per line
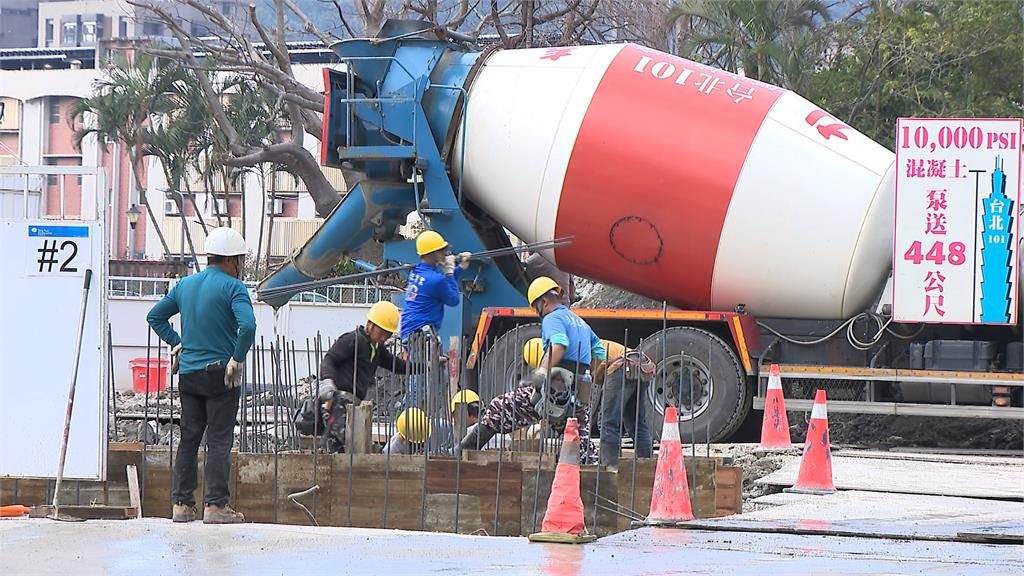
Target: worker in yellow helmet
<point>433,284</point>
<point>347,373</point>
<point>441,430</point>
<point>412,432</point>
<point>559,385</point>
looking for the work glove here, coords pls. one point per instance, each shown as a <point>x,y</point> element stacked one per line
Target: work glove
<point>449,265</point>
<point>326,390</point>
<point>464,259</point>
<point>175,358</point>
<point>233,374</point>
<point>537,377</point>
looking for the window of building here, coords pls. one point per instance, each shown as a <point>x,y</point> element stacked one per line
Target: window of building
<point>122,26</point>
<point>152,28</point>
<point>70,36</point>
<point>49,32</point>
<point>88,33</point>
<point>54,111</point>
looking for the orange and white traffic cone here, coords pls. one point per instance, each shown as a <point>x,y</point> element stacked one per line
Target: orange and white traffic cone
<point>563,519</point>
<point>670,500</point>
<point>775,425</point>
<point>815,475</point>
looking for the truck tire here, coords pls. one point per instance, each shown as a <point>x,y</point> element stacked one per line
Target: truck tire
<point>719,384</point>
<point>503,366</point>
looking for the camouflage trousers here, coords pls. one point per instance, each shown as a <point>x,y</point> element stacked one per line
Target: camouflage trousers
<point>513,411</point>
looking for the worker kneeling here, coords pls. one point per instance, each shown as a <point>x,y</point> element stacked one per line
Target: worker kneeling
<point>347,373</point>
<point>568,346</point>
<point>440,432</point>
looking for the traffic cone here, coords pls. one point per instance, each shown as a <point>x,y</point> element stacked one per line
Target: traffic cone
<point>815,475</point>
<point>563,519</point>
<point>775,425</point>
<point>670,500</point>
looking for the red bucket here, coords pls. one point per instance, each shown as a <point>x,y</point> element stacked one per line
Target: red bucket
<point>153,371</point>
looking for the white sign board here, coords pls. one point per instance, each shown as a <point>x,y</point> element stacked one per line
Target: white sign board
<point>957,204</point>
<point>41,276</point>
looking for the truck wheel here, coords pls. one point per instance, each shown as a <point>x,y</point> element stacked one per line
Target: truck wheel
<point>721,397</point>
<point>503,367</point>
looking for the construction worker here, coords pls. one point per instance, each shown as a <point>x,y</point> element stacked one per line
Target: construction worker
<point>442,437</point>
<point>569,346</point>
<point>538,266</point>
<point>412,432</point>
<point>217,329</point>
<point>622,382</point>
<point>348,371</point>
<point>426,296</point>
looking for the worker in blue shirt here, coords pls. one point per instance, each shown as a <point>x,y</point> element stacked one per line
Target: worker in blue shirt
<point>217,329</point>
<point>426,296</point>
<point>560,384</point>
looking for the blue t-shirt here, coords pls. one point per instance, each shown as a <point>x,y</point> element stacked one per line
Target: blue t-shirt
<point>561,326</point>
<point>429,291</point>
<point>217,321</point>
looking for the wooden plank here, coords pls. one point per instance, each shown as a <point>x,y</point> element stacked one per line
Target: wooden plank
<point>728,490</point>
<point>376,479</point>
<point>253,493</point>
<point>295,474</point>
<point>134,495</point>
<point>87,512</point>
<point>479,491</point>
<point>156,484</point>
<point>635,496</point>
<point>359,420</point>
<point>25,491</point>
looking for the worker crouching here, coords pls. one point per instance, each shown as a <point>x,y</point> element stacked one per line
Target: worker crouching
<point>439,435</point>
<point>560,383</point>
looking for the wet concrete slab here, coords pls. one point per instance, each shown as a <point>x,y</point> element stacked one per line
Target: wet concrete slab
<point>999,478</point>
<point>877,514</point>
<point>154,547</point>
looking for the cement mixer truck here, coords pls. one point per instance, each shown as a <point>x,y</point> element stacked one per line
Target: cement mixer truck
<point>764,223</point>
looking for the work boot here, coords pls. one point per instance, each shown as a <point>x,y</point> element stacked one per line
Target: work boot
<point>477,437</point>
<point>183,513</point>
<point>610,453</point>
<point>213,514</point>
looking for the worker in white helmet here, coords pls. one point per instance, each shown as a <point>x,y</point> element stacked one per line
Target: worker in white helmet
<point>433,285</point>
<point>217,329</point>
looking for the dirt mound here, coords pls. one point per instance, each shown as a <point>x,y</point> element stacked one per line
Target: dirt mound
<point>595,295</point>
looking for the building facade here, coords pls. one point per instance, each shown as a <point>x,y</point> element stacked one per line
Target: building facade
<point>38,88</point>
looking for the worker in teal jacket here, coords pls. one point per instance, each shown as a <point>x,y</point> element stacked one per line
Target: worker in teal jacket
<point>433,284</point>
<point>217,329</point>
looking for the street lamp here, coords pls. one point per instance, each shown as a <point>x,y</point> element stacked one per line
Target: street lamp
<point>133,219</point>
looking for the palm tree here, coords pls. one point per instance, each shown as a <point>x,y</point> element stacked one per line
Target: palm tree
<point>123,105</point>
<point>772,41</point>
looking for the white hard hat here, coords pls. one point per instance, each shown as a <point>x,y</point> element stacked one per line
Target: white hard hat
<point>225,241</point>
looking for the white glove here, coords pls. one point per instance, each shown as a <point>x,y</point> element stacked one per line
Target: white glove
<point>449,265</point>
<point>175,358</point>
<point>464,259</point>
<point>326,390</point>
<point>233,374</point>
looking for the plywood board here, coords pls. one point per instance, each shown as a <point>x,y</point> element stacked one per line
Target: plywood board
<point>914,477</point>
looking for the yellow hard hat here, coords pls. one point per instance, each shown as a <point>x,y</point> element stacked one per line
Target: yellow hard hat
<point>540,287</point>
<point>385,315</point>
<point>413,426</point>
<point>430,241</point>
<point>464,397</point>
<point>533,351</point>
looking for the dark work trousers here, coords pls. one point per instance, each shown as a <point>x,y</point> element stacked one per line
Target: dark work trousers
<point>623,405</point>
<point>207,405</point>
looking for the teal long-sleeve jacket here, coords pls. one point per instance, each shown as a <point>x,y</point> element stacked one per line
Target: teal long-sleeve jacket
<point>217,321</point>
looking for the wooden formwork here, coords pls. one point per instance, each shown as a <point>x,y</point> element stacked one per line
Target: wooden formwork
<point>486,492</point>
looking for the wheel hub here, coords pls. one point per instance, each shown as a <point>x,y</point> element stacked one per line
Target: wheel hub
<point>672,386</point>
